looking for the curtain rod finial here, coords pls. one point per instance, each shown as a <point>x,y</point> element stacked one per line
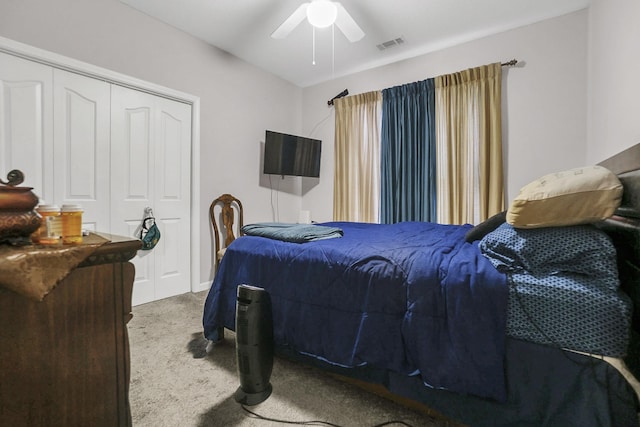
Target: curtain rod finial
<point>340,95</point>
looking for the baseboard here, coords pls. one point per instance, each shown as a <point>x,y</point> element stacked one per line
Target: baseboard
<point>201,287</point>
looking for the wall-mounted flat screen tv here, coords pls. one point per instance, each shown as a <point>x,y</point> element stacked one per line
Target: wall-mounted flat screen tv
<point>286,154</point>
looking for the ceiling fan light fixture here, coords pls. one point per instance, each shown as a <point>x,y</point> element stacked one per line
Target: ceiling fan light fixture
<point>322,13</point>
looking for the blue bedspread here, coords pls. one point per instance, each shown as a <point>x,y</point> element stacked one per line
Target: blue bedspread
<point>412,297</point>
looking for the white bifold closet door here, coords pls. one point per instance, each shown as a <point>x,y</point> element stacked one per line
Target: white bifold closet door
<point>112,149</point>
<point>81,144</point>
<point>26,122</point>
<point>55,127</point>
<point>150,163</point>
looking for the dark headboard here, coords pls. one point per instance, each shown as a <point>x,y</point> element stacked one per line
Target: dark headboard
<point>624,229</point>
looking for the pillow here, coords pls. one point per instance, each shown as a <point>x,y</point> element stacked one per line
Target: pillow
<point>576,196</point>
<point>579,249</point>
<point>485,227</point>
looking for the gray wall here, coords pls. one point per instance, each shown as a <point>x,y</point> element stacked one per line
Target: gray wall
<point>614,77</point>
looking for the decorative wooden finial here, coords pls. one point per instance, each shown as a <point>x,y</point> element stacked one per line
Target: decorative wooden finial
<point>15,177</point>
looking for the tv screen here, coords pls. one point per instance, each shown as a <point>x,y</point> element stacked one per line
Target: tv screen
<point>286,154</point>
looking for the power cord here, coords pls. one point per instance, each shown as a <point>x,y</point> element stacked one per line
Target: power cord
<point>275,209</point>
<point>321,121</point>
<point>316,422</point>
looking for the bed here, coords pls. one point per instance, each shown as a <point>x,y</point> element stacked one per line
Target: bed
<point>446,316</point>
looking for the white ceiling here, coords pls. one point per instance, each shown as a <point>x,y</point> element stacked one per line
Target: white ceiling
<point>243,28</point>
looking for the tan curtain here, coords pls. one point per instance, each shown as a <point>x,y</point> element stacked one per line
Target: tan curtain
<point>357,157</point>
<point>469,145</point>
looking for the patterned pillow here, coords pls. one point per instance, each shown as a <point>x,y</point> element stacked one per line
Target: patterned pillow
<point>577,196</point>
<point>580,249</point>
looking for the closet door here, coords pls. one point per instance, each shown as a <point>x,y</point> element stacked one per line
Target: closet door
<point>81,146</point>
<point>150,161</point>
<point>111,149</point>
<point>173,197</point>
<point>26,109</point>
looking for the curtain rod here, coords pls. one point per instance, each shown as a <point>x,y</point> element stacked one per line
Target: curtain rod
<point>345,92</point>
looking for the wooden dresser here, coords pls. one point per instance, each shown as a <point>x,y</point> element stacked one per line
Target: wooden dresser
<point>64,361</point>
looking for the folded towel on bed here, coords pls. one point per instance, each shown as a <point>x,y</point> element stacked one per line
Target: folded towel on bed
<point>295,233</point>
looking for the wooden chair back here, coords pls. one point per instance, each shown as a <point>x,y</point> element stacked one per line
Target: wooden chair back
<point>223,233</point>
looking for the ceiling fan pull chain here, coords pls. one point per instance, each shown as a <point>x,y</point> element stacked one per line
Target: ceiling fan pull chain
<point>333,51</point>
<point>313,38</point>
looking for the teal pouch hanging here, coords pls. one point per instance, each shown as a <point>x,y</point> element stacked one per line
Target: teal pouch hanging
<point>149,231</point>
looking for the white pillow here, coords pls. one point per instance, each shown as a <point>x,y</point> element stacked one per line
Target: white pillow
<point>576,196</point>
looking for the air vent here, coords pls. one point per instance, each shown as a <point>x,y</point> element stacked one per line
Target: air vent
<point>390,43</point>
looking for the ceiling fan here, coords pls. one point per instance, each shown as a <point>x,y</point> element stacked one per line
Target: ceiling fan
<point>321,14</point>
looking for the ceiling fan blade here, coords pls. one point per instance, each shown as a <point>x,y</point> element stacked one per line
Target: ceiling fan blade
<point>291,22</point>
<point>347,25</point>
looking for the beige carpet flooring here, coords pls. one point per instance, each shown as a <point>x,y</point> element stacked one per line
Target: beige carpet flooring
<point>175,383</point>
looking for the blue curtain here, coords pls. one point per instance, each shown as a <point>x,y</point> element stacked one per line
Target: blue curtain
<point>408,153</point>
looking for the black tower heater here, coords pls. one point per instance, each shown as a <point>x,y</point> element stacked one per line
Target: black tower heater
<point>254,345</point>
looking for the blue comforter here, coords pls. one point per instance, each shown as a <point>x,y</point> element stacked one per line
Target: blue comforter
<point>413,297</point>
